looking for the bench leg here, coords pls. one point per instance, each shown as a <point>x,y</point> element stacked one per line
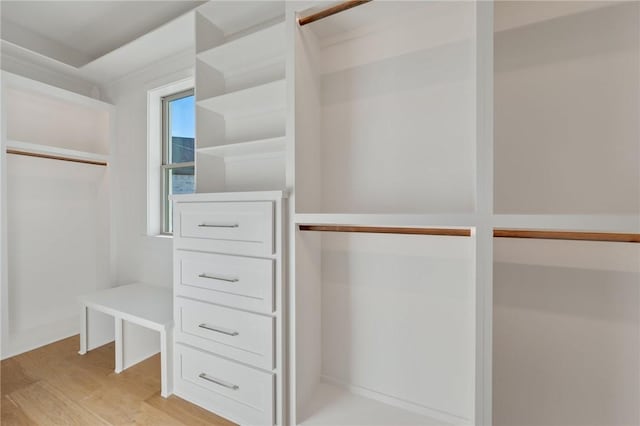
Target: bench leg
<point>166,351</point>
<point>119,345</point>
<point>83,330</point>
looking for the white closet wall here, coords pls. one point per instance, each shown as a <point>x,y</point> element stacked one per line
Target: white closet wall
<point>566,333</point>
<point>566,108</point>
<point>567,156</point>
<point>58,213</point>
<point>392,88</point>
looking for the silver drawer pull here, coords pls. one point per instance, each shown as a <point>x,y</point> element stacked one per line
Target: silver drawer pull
<point>222,225</point>
<point>218,330</point>
<point>213,277</point>
<point>218,381</point>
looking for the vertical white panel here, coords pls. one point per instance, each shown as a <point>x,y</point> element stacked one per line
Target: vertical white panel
<point>100,329</point>
<point>484,211</point>
<point>308,315</point>
<point>4,280</point>
<point>139,343</point>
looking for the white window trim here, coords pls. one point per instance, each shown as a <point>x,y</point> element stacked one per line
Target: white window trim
<point>154,152</point>
<point>167,164</point>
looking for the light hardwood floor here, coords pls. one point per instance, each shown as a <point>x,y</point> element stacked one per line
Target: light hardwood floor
<point>53,385</point>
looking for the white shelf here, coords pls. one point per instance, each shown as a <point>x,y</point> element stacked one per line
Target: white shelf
<point>234,17</point>
<point>263,146</point>
<point>266,97</point>
<point>252,51</point>
<point>426,220</point>
<point>53,150</point>
<point>333,405</point>
<point>629,223</point>
<point>18,82</point>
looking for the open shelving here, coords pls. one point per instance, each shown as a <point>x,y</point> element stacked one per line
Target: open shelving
<point>240,94</point>
<point>251,101</point>
<point>384,234</point>
<point>386,114</point>
<point>259,49</point>
<point>264,146</point>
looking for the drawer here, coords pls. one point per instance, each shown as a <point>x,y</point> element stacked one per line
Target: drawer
<point>226,227</point>
<point>228,332</point>
<point>240,393</point>
<point>241,282</point>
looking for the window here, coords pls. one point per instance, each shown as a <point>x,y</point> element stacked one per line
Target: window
<point>178,137</point>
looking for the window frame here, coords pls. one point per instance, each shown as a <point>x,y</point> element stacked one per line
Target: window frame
<point>166,165</point>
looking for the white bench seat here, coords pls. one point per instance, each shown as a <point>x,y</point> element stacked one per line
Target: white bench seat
<point>142,304</point>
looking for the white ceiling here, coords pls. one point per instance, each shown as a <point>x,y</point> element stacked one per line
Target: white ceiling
<point>78,32</point>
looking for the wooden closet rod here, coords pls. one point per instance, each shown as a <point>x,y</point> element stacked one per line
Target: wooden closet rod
<point>55,157</point>
<point>456,232</point>
<point>330,11</point>
<point>567,235</point>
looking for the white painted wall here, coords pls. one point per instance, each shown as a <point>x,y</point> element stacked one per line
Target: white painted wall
<point>566,111</point>
<point>139,257</point>
<point>58,246</point>
<point>394,301</point>
<point>397,108</point>
<point>566,333</point>
<point>566,314</point>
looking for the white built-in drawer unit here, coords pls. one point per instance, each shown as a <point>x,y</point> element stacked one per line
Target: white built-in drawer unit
<point>239,282</point>
<point>234,227</point>
<point>235,334</point>
<point>230,389</point>
<point>228,304</point>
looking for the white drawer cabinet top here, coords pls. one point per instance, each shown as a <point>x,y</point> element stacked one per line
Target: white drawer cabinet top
<point>230,196</point>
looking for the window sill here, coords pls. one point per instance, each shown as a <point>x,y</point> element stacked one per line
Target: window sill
<point>161,236</point>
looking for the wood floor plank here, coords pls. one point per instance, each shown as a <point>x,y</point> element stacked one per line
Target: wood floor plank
<point>115,405</point>
<point>149,415</point>
<point>141,380</point>
<point>45,405</point>
<point>12,415</point>
<point>13,376</point>
<point>188,413</point>
<point>53,385</point>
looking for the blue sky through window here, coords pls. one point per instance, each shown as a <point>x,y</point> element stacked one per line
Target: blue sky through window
<point>183,123</point>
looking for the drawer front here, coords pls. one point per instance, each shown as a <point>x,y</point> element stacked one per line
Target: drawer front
<point>239,282</point>
<point>228,332</point>
<point>229,227</point>
<point>240,393</point>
